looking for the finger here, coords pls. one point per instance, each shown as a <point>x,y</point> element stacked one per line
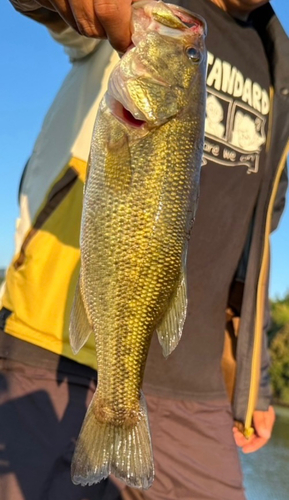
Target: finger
<point>64,10</point>
<point>115,16</point>
<point>46,4</point>
<point>260,425</point>
<point>240,439</point>
<point>264,422</point>
<point>255,444</point>
<point>49,18</point>
<point>86,19</point>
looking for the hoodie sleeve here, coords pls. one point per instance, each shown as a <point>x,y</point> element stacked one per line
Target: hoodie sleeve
<point>265,391</point>
<point>280,199</point>
<point>25,5</point>
<point>75,45</point>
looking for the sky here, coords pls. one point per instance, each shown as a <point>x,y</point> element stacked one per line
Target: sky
<point>32,69</point>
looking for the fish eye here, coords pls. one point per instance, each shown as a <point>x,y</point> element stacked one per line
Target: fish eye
<point>194,54</point>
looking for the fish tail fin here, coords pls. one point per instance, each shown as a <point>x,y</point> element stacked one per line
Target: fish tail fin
<point>79,328</point>
<point>104,448</point>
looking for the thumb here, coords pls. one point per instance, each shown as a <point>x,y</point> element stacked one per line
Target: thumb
<point>263,422</point>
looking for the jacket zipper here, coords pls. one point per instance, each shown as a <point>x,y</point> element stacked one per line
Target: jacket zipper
<point>270,123</point>
<point>56,195</point>
<point>261,290</point>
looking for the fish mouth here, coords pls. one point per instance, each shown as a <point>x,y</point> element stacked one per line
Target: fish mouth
<point>191,21</point>
<point>123,114</point>
<point>194,22</point>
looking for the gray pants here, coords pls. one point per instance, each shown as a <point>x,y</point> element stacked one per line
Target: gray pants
<point>41,412</point>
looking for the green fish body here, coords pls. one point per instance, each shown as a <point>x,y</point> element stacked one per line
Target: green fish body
<point>140,200</point>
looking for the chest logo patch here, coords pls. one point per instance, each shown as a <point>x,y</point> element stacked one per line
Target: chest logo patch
<point>236,115</point>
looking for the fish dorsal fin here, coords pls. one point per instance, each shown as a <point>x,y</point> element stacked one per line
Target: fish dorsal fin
<point>170,329</point>
<point>79,328</point>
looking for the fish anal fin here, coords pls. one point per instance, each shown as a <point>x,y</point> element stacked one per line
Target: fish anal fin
<point>79,328</point>
<point>171,327</point>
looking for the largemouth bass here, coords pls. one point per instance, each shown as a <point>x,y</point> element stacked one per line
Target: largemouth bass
<point>140,199</point>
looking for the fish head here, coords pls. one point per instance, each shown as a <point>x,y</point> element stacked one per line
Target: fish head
<point>160,74</point>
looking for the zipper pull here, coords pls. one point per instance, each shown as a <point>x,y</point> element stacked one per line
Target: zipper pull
<point>248,432</point>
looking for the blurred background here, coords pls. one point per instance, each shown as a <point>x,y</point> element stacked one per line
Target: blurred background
<point>32,69</point>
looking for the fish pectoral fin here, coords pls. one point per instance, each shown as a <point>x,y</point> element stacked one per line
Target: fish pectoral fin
<point>105,447</point>
<point>79,328</point>
<point>118,171</point>
<point>171,327</point>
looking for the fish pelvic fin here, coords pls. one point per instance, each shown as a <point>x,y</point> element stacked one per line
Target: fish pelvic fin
<point>103,448</point>
<point>79,328</point>
<point>171,327</point>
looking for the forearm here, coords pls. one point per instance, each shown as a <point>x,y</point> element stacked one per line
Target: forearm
<point>94,19</point>
<point>33,10</point>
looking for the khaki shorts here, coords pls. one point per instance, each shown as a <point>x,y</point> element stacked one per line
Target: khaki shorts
<point>194,451</point>
<point>41,412</point>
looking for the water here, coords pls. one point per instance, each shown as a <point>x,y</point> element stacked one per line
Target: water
<point>266,472</point>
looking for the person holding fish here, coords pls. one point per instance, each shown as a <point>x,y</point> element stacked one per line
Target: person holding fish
<point>146,275</point>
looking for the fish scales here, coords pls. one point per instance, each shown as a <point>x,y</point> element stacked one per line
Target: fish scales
<point>140,249</point>
<point>140,197</point>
